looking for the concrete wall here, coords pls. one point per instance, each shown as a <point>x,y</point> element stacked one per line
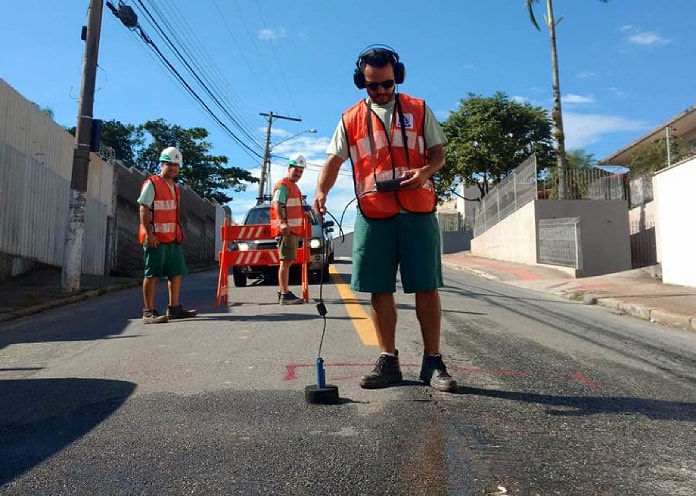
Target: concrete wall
<point>676,230</point>
<point>454,241</point>
<point>606,246</point>
<point>512,239</point>
<point>604,233</point>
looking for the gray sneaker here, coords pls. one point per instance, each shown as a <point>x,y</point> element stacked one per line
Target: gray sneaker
<point>290,299</point>
<point>153,317</point>
<point>385,373</point>
<point>434,373</point>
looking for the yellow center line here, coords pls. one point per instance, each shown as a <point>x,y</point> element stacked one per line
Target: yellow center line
<point>361,321</point>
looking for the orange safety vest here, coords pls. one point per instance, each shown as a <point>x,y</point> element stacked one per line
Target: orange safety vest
<point>164,213</point>
<point>377,155</point>
<point>293,209</point>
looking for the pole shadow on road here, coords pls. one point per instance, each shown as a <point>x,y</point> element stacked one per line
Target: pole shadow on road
<point>593,405</point>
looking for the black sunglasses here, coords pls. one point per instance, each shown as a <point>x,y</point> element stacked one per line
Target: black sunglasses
<point>384,84</point>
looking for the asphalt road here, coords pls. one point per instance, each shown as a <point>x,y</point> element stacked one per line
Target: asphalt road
<point>555,398</point>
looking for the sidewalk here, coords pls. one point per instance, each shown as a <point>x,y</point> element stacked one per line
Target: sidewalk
<point>40,289</point>
<point>634,292</point>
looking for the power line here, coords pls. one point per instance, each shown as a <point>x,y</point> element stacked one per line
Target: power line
<point>193,73</point>
<point>184,35</point>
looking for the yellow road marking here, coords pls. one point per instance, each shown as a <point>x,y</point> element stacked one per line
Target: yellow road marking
<point>361,321</point>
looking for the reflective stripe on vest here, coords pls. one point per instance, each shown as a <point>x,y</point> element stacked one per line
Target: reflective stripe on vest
<point>164,213</point>
<point>388,159</point>
<point>293,209</point>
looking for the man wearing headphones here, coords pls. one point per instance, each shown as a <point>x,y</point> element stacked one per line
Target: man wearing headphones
<point>395,145</point>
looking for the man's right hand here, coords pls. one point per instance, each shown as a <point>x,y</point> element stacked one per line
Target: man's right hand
<point>319,204</point>
<point>152,241</point>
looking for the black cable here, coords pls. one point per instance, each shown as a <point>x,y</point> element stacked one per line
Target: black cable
<point>194,73</point>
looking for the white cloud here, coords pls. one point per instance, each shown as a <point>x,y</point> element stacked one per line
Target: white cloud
<point>585,75</point>
<point>520,99</point>
<point>270,34</point>
<point>647,38</point>
<point>577,99</point>
<point>582,130</point>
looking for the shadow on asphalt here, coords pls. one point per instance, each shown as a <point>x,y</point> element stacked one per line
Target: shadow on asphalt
<point>40,417</point>
<point>593,405</point>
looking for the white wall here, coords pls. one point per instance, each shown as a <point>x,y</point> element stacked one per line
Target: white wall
<point>675,227</point>
<point>604,232</point>
<point>512,239</point>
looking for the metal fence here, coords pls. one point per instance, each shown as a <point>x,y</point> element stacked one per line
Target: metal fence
<point>510,194</point>
<point>34,201</point>
<point>523,186</point>
<point>585,184</point>
<point>559,242</point>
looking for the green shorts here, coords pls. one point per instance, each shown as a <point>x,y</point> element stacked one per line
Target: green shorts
<point>407,242</point>
<point>287,246</point>
<point>167,260</point>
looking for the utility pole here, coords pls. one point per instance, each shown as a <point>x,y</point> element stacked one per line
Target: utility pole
<point>266,165</point>
<point>72,257</point>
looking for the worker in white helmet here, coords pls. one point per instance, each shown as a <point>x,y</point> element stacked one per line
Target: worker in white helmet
<point>161,236</point>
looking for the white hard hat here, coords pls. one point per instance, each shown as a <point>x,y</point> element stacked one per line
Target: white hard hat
<point>297,161</point>
<point>171,154</point>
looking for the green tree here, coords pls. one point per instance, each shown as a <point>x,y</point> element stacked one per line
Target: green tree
<point>653,157</point>
<point>208,175</point>
<point>124,139</point>
<point>556,113</point>
<point>488,137</point>
<point>579,159</point>
<point>576,179</point>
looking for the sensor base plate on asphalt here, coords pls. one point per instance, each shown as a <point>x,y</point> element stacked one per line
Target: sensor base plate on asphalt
<point>327,395</point>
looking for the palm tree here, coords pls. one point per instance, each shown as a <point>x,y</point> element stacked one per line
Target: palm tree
<point>556,113</point>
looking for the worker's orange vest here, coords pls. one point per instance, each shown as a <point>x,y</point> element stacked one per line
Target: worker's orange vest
<point>164,213</point>
<point>381,155</point>
<point>293,209</point>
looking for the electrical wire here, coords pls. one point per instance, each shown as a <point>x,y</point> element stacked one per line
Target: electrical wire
<point>197,77</point>
<point>173,71</point>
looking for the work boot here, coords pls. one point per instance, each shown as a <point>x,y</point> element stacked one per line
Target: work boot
<point>434,372</point>
<point>290,299</point>
<point>153,317</point>
<point>385,373</point>
<point>178,312</point>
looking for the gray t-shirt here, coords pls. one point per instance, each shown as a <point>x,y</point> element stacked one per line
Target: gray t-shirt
<point>432,131</point>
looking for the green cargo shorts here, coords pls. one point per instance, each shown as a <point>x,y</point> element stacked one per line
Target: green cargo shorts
<point>407,242</point>
<point>167,260</point>
<point>287,246</point>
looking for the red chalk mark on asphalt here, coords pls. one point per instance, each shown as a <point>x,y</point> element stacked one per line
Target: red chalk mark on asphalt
<point>291,372</point>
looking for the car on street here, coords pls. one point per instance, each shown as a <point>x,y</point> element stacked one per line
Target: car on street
<point>321,249</point>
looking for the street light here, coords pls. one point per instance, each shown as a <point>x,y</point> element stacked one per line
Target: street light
<point>312,131</point>
<point>266,168</point>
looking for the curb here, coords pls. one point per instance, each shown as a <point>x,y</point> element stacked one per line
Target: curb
<point>643,312</point>
<point>68,300</point>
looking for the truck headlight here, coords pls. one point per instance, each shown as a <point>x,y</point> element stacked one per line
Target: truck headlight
<point>315,243</point>
<point>243,246</point>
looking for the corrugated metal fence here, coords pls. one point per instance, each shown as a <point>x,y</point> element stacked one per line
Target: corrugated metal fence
<point>34,201</point>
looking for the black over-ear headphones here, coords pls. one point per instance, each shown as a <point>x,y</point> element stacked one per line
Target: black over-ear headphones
<point>371,51</point>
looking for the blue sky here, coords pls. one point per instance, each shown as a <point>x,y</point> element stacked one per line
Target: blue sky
<point>625,66</point>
